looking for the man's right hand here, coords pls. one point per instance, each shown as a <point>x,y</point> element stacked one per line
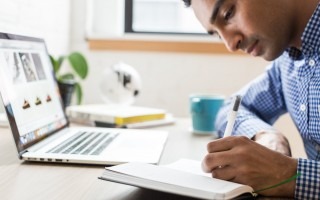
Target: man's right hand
<point>245,161</point>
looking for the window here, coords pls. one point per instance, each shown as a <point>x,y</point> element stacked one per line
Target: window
<point>160,16</point>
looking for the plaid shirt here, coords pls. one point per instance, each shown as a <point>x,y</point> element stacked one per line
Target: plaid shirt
<point>291,84</point>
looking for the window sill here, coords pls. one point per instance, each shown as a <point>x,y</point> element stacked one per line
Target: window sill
<point>160,43</point>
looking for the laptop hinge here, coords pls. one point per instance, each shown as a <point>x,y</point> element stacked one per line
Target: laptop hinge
<point>22,152</point>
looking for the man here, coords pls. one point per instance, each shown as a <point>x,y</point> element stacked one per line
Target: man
<point>286,32</point>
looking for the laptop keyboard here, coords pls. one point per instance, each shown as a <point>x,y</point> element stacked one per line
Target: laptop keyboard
<point>85,143</point>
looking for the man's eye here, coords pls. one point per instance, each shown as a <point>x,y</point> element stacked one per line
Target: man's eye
<point>229,13</point>
<point>216,34</point>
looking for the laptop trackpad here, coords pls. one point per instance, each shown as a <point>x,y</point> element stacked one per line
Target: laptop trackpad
<point>136,146</point>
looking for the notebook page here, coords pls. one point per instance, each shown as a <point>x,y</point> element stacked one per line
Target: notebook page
<point>187,165</point>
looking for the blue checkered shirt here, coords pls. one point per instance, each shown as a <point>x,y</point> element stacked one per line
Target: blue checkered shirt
<point>290,84</point>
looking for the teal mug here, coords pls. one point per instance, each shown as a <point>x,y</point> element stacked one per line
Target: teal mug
<point>204,109</point>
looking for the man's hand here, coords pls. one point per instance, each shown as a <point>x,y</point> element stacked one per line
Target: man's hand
<point>241,160</point>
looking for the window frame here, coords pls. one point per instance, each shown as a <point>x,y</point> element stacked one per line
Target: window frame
<point>128,10</point>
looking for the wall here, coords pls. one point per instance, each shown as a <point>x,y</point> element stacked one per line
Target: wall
<point>47,19</point>
<point>169,78</point>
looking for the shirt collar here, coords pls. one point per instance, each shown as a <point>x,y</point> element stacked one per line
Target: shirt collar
<point>310,37</point>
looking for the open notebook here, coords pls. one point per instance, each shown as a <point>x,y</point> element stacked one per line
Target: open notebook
<point>183,177</point>
<point>39,125</point>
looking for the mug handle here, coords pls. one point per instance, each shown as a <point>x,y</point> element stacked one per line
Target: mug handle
<point>195,105</point>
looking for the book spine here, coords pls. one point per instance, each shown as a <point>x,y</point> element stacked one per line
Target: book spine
<point>136,119</point>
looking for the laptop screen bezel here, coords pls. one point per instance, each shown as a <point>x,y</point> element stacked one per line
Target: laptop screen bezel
<point>12,122</point>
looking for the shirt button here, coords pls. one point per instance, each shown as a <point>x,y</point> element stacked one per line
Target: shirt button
<point>312,62</point>
<point>303,107</point>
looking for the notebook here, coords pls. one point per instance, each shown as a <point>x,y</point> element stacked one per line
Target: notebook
<point>183,177</point>
<point>39,125</point>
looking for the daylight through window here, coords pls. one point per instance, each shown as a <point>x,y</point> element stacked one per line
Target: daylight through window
<point>160,16</point>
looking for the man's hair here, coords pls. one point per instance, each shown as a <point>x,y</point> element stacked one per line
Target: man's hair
<point>187,2</point>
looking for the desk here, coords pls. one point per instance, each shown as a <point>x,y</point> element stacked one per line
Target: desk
<point>26,180</point>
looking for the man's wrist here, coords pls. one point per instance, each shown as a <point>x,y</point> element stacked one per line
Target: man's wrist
<point>287,189</point>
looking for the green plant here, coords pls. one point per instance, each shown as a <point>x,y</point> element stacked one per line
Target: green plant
<point>79,71</point>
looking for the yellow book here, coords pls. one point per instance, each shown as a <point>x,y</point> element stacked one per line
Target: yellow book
<point>114,113</point>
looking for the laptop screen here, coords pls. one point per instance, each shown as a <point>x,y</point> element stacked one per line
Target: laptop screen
<point>29,90</point>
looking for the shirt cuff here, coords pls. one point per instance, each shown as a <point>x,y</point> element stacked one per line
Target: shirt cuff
<point>308,183</point>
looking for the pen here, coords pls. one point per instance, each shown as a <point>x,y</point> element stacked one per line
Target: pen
<point>232,116</point>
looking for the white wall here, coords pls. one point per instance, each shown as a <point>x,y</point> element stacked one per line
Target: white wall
<point>169,78</point>
<point>48,19</point>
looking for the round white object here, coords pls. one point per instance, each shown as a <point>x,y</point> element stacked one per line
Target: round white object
<point>120,84</point>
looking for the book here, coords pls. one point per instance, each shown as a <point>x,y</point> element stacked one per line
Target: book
<point>114,114</point>
<point>168,119</point>
<point>183,177</point>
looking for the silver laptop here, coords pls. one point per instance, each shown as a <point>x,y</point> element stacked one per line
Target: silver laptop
<point>39,125</point>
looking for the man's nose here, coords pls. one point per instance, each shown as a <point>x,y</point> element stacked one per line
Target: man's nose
<point>233,42</point>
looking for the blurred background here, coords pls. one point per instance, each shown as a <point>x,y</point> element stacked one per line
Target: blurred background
<point>159,38</point>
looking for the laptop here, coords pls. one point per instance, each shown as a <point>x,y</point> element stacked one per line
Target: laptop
<point>39,125</point>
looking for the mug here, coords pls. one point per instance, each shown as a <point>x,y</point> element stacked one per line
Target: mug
<point>204,109</point>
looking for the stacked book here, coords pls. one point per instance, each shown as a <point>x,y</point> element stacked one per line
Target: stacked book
<point>118,116</point>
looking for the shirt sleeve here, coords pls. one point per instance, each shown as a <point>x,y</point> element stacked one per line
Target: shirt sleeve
<point>308,184</point>
<point>262,104</point>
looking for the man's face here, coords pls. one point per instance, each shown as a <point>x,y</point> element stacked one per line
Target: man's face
<point>259,28</point>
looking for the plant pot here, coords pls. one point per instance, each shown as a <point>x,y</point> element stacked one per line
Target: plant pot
<point>66,88</point>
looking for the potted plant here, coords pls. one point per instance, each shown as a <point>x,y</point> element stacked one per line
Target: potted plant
<point>69,81</point>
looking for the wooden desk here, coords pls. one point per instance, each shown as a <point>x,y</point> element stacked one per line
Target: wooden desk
<point>26,180</point>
